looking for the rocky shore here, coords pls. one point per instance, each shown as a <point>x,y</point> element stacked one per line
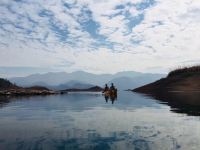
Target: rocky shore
<point>9,89</point>
<point>21,92</point>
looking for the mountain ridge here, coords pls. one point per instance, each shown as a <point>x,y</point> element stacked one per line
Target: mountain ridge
<point>53,80</point>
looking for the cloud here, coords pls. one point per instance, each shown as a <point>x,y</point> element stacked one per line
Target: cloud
<point>99,36</point>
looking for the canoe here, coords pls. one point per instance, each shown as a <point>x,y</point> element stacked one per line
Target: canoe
<point>110,92</point>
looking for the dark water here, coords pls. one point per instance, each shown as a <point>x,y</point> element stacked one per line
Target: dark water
<point>87,121</point>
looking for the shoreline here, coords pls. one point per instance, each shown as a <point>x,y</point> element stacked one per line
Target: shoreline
<point>26,92</point>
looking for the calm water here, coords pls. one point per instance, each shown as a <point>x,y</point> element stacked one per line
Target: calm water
<point>87,121</point>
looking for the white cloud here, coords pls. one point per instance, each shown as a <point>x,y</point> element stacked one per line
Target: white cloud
<point>167,36</point>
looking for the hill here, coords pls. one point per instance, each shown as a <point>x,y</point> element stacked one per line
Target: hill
<point>6,84</point>
<point>91,89</point>
<point>179,80</point>
<point>38,88</point>
<point>9,89</point>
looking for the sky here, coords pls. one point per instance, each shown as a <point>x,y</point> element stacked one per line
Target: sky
<point>98,36</point>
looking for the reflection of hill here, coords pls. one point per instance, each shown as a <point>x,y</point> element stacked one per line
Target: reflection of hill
<point>4,100</point>
<point>180,89</point>
<point>112,98</point>
<point>181,102</point>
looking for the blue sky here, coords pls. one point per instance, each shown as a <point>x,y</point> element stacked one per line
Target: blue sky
<point>98,36</point>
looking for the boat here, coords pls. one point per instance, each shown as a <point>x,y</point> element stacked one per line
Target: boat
<point>110,92</point>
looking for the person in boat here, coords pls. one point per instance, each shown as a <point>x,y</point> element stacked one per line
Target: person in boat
<point>112,87</point>
<point>106,88</point>
<point>113,90</point>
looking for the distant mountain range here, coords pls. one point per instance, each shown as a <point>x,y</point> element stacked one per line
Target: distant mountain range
<point>81,79</point>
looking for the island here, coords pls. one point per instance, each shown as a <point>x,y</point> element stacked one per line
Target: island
<point>10,89</point>
<point>91,89</point>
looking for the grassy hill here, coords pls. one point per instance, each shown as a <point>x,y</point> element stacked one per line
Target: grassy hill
<point>183,80</point>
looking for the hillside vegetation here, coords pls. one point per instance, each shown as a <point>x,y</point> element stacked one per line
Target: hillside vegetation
<point>180,80</point>
<point>9,89</point>
<point>5,84</point>
<point>185,71</point>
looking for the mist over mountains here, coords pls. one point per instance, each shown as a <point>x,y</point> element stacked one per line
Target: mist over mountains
<point>80,79</point>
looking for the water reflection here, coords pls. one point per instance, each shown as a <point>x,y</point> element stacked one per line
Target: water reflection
<point>180,102</point>
<point>4,100</point>
<point>112,98</point>
<point>141,138</point>
<point>86,121</point>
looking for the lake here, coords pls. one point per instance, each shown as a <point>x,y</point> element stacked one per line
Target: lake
<point>89,121</point>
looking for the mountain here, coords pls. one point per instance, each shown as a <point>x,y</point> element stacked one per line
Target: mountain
<point>130,74</point>
<point>180,80</point>
<point>52,79</point>
<point>40,79</point>
<point>81,79</point>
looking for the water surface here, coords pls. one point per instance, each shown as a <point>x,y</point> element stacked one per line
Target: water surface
<point>88,121</point>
